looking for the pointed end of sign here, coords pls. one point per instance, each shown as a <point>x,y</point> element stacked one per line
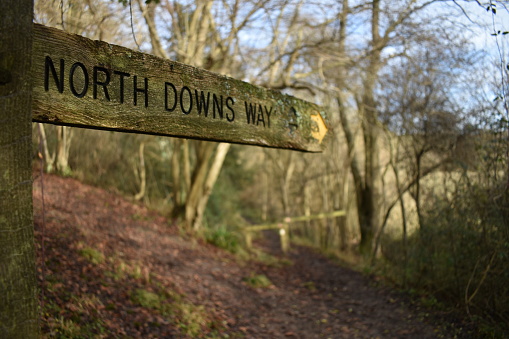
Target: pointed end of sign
<point>318,127</point>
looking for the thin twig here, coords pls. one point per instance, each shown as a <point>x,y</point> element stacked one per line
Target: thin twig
<point>62,13</point>
<point>468,299</point>
<point>132,24</point>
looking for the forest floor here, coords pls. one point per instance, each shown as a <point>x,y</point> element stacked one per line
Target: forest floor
<point>115,269</point>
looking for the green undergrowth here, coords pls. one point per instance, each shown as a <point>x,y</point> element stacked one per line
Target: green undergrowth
<point>231,242</point>
<point>66,320</point>
<point>116,296</point>
<point>92,255</point>
<point>458,259</point>
<point>189,318</point>
<point>258,281</point>
<point>223,238</point>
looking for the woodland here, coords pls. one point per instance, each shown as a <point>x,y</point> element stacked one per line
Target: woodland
<point>417,152</point>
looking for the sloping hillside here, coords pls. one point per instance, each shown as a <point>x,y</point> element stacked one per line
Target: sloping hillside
<point>117,270</point>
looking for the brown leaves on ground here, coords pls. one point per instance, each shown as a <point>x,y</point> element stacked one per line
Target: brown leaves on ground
<point>117,270</point>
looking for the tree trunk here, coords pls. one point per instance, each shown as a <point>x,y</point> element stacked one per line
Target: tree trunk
<point>343,204</point>
<point>142,173</point>
<point>18,283</point>
<point>266,193</point>
<point>417,190</point>
<point>366,184</point>
<point>175,177</point>
<point>186,168</point>
<point>307,211</point>
<point>326,227</point>
<point>215,168</point>
<point>199,177</point>
<point>370,195</point>
<point>148,13</point>
<point>49,158</point>
<point>64,137</point>
<point>285,184</point>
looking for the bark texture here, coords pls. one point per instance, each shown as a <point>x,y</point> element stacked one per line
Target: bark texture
<point>18,285</point>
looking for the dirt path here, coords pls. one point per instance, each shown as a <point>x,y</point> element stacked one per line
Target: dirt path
<point>311,298</point>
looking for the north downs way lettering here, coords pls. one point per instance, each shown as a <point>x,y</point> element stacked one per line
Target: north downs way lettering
<point>85,83</point>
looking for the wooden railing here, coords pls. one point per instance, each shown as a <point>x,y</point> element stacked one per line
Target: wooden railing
<point>284,227</point>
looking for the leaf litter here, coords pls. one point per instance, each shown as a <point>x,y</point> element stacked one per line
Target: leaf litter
<point>115,269</point>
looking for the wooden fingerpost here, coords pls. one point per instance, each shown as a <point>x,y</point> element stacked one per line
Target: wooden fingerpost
<point>92,84</point>
<point>18,283</point>
<point>75,81</point>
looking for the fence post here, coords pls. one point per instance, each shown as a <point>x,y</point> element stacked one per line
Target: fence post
<point>18,282</point>
<point>248,238</point>
<point>284,237</point>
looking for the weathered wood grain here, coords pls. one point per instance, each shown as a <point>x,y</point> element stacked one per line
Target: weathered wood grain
<point>109,87</point>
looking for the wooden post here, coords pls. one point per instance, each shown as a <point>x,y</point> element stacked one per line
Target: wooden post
<point>284,237</point>
<point>248,238</point>
<point>18,283</point>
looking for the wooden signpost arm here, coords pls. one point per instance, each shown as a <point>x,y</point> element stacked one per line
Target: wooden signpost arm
<point>18,284</point>
<point>85,83</point>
